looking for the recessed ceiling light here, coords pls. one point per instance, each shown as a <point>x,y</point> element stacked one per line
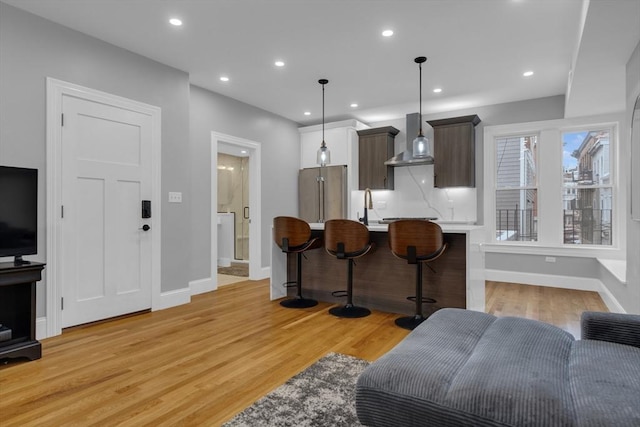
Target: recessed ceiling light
<point>279,64</point>
<point>243,151</point>
<point>437,90</point>
<point>387,33</point>
<point>224,78</point>
<point>527,73</point>
<point>175,21</point>
<point>354,105</point>
<point>307,113</point>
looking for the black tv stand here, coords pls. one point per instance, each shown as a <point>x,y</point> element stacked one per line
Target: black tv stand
<point>19,261</point>
<point>18,309</point>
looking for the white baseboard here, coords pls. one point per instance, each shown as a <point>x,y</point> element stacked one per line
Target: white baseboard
<point>201,286</point>
<point>172,299</point>
<point>610,301</point>
<point>265,273</point>
<point>41,328</point>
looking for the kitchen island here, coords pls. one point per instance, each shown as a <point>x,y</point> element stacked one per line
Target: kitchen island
<point>383,282</point>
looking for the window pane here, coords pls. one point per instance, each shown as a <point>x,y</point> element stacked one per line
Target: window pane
<point>588,222</point>
<point>516,159</point>
<point>517,215</point>
<point>587,195</point>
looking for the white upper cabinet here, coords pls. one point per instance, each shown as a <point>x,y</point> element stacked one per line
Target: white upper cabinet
<point>341,139</point>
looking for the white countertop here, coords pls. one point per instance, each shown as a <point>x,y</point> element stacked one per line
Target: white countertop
<point>447,227</point>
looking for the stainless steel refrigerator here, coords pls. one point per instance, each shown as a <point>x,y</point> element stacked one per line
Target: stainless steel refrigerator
<point>322,193</point>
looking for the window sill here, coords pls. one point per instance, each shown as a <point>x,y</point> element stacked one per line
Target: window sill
<point>607,253</point>
<point>617,267</point>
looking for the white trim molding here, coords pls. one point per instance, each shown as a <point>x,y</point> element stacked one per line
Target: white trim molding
<point>201,286</point>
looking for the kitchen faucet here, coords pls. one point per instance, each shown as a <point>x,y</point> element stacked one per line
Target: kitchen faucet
<point>365,218</point>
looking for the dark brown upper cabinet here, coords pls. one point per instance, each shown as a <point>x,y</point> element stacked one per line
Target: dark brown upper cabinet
<point>454,148</point>
<point>375,146</point>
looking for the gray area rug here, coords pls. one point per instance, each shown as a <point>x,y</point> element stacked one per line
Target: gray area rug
<point>321,395</point>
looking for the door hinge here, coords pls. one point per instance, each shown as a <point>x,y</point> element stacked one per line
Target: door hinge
<point>62,303</point>
<point>62,119</point>
<point>61,211</point>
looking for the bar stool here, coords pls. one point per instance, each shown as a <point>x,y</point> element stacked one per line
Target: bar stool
<point>418,242</point>
<point>347,239</point>
<point>293,235</point>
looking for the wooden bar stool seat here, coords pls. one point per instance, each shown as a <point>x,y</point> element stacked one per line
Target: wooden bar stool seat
<point>293,236</point>
<point>347,239</point>
<point>417,242</point>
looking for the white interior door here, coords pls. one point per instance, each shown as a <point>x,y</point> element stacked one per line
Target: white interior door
<point>106,173</point>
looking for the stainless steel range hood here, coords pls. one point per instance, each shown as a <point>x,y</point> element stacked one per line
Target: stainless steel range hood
<point>406,157</point>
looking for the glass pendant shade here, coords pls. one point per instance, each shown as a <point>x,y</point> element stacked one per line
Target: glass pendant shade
<point>324,155</point>
<point>422,147</point>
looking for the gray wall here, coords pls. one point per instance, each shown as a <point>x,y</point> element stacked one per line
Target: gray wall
<point>31,49</point>
<point>280,149</point>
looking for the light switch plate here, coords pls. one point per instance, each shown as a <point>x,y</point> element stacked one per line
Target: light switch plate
<point>175,197</point>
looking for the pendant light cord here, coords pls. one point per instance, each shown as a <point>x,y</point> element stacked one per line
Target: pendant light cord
<point>420,71</point>
<point>323,113</point>
<point>419,60</point>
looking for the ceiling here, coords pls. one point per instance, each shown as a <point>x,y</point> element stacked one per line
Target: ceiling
<point>477,50</point>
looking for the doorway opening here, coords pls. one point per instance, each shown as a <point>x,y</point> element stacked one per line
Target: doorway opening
<point>235,207</point>
<point>233,212</point>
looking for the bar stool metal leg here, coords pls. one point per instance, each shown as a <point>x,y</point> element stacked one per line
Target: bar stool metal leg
<point>411,322</point>
<point>299,301</point>
<point>349,310</point>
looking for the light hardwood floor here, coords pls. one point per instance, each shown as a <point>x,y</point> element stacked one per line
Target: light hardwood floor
<point>560,307</point>
<point>201,363</point>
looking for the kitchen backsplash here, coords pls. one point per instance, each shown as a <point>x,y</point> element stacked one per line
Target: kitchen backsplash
<point>415,196</point>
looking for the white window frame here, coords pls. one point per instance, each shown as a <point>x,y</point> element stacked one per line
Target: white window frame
<point>613,172</point>
<point>550,187</point>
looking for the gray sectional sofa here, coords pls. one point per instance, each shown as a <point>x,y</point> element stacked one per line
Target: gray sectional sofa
<point>466,368</point>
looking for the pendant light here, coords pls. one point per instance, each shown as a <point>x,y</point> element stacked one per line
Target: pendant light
<point>324,155</point>
<point>421,145</point>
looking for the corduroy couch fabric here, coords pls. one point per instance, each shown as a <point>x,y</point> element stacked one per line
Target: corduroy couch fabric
<point>466,368</point>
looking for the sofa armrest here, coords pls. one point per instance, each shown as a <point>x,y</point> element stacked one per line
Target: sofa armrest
<point>611,327</point>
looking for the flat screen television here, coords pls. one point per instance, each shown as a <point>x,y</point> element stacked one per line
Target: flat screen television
<point>18,212</point>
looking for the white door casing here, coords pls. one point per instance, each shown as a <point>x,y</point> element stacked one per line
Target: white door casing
<point>101,162</point>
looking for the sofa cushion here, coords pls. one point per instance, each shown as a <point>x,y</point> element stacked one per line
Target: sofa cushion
<point>517,375</point>
<point>605,382</point>
<point>469,368</point>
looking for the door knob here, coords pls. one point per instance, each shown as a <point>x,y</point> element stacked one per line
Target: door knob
<point>145,228</point>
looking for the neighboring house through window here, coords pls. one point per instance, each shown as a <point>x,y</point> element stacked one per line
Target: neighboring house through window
<point>588,188</point>
<point>516,188</point>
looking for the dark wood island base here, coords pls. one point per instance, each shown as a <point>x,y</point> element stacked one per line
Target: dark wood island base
<point>383,282</point>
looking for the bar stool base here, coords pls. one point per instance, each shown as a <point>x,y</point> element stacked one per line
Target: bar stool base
<point>410,322</point>
<point>299,303</point>
<point>350,311</point>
